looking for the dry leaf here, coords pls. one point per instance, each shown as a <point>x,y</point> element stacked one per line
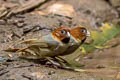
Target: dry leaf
<point>59,8</point>
<point>38,75</point>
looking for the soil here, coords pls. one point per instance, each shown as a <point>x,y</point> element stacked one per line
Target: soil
<point>102,64</point>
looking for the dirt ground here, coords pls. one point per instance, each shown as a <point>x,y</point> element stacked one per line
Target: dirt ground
<point>102,64</point>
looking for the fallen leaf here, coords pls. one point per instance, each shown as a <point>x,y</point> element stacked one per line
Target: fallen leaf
<point>38,75</point>
<point>58,8</point>
<point>102,47</point>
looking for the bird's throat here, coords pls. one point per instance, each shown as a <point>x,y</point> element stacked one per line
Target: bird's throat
<point>66,40</point>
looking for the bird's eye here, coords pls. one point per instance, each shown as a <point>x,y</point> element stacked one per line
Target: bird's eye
<point>63,32</point>
<point>84,31</point>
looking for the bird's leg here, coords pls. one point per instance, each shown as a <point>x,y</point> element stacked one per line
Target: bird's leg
<point>57,62</point>
<point>68,67</point>
<point>62,59</point>
<point>53,61</point>
<point>62,65</point>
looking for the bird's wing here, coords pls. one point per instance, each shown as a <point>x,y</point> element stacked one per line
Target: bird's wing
<point>31,42</point>
<point>11,49</point>
<point>35,42</point>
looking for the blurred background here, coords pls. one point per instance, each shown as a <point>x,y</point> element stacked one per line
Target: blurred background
<point>25,19</point>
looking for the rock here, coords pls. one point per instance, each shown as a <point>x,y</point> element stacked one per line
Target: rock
<point>115,3</point>
<point>38,75</point>
<point>96,12</point>
<point>61,9</point>
<point>2,22</point>
<point>51,72</point>
<point>58,8</point>
<point>2,59</point>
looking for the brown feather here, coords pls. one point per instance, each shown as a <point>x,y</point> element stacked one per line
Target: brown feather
<point>58,35</point>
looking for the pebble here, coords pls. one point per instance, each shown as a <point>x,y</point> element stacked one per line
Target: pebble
<point>2,59</point>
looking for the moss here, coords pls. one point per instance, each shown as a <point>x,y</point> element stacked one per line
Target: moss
<point>99,38</point>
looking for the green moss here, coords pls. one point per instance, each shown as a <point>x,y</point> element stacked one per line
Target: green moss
<point>101,37</point>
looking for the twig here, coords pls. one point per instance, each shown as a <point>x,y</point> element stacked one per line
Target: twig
<point>2,73</point>
<point>29,78</point>
<point>27,7</point>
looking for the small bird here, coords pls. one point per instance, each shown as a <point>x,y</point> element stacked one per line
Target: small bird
<point>78,36</point>
<point>47,46</point>
<point>60,42</point>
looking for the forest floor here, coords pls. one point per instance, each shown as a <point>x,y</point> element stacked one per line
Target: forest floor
<point>101,64</point>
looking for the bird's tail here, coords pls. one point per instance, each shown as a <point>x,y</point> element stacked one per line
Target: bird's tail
<point>12,50</point>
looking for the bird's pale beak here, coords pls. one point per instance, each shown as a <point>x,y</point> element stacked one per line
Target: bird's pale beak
<point>68,34</point>
<point>88,33</point>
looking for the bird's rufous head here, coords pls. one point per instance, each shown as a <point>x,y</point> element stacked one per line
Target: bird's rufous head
<point>79,33</point>
<point>62,34</point>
